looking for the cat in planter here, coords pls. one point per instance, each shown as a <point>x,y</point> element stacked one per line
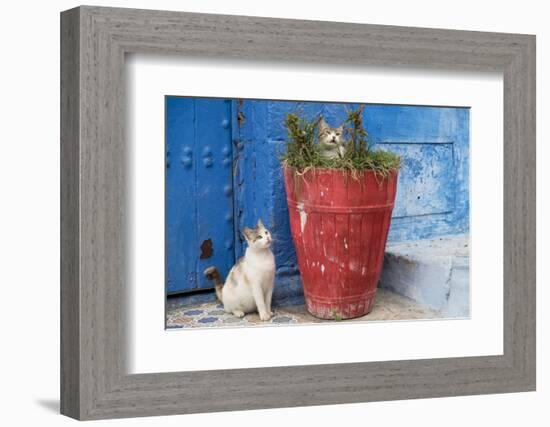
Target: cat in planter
<point>331,140</point>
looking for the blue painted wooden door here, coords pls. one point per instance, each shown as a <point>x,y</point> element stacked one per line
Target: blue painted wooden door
<point>199,191</point>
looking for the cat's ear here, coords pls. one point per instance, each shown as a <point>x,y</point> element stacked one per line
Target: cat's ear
<point>260,224</point>
<point>322,124</point>
<point>248,234</point>
<point>340,129</point>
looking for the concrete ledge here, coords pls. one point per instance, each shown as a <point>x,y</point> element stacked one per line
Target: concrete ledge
<point>432,272</point>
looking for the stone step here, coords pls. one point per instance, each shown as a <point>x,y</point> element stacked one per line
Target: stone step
<point>432,272</point>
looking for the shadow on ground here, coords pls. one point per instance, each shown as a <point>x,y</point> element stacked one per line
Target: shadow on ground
<point>51,405</point>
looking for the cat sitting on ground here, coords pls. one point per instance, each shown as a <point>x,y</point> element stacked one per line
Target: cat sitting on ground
<point>331,140</point>
<point>249,284</point>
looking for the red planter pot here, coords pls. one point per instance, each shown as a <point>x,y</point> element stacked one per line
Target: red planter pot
<point>339,226</point>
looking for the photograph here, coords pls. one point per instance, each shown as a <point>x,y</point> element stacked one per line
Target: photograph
<point>293,212</point>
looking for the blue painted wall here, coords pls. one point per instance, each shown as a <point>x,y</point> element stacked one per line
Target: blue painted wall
<point>432,197</point>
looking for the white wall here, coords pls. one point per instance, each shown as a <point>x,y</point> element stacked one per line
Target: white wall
<point>29,226</point>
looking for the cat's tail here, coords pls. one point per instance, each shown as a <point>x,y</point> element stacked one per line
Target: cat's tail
<point>213,274</point>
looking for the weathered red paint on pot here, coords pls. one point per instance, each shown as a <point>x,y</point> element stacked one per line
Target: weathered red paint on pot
<point>339,226</point>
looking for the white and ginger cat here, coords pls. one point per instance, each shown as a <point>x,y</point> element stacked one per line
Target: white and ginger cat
<point>249,284</point>
<point>331,140</point>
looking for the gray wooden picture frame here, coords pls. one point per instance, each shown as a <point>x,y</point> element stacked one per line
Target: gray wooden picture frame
<point>94,382</point>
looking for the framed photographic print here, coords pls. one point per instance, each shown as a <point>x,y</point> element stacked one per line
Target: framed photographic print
<point>292,213</point>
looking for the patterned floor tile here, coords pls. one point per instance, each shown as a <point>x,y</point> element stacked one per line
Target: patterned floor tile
<point>388,306</point>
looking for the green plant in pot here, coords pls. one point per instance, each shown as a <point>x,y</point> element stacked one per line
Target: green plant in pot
<point>340,194</point>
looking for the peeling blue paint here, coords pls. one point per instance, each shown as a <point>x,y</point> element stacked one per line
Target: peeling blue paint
<point>433,191</point>
<point>426,180</point>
